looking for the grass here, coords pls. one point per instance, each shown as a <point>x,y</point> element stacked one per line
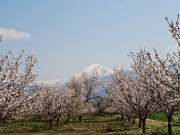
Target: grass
<point>105,124</point>
<point>158,116</point>
<point>162,117</point>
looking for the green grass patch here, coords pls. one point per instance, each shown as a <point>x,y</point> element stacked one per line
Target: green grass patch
<point>162,117</point>
<point>158,116</point>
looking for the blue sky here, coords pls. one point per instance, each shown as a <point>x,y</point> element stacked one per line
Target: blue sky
<point>68,35</point>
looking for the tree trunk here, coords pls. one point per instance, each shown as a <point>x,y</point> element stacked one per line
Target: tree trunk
<point>4,120</point>
<point>169,125</point>
<point>129,120</point>
<point>39,117</point>
<point>68,118</point>
<point>50,124</point>
<point>80,118</point>
<point>144,125</point>
<point>122,117</point>
<point>133,121</point>
<point>140,120</point>
<point>57,121</point>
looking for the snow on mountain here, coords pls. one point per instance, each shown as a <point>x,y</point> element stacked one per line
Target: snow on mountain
<point>59,81</point>
<point>95,68</point>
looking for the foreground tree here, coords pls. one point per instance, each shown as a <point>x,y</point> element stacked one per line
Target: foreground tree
<point>160,77</point>
<point>132,95</point>
<point>13,86</point>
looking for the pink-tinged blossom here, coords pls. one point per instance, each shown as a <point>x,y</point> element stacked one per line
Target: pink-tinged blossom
<point>13,86</point>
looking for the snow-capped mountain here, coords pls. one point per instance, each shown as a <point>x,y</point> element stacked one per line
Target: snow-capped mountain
<point>96,68</point>
<point>104,73</point>
<point>59,81</point>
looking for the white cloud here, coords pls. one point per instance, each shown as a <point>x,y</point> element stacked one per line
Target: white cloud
<point>13,34</point>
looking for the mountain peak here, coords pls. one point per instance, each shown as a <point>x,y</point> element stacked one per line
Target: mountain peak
<point>96,68</point>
